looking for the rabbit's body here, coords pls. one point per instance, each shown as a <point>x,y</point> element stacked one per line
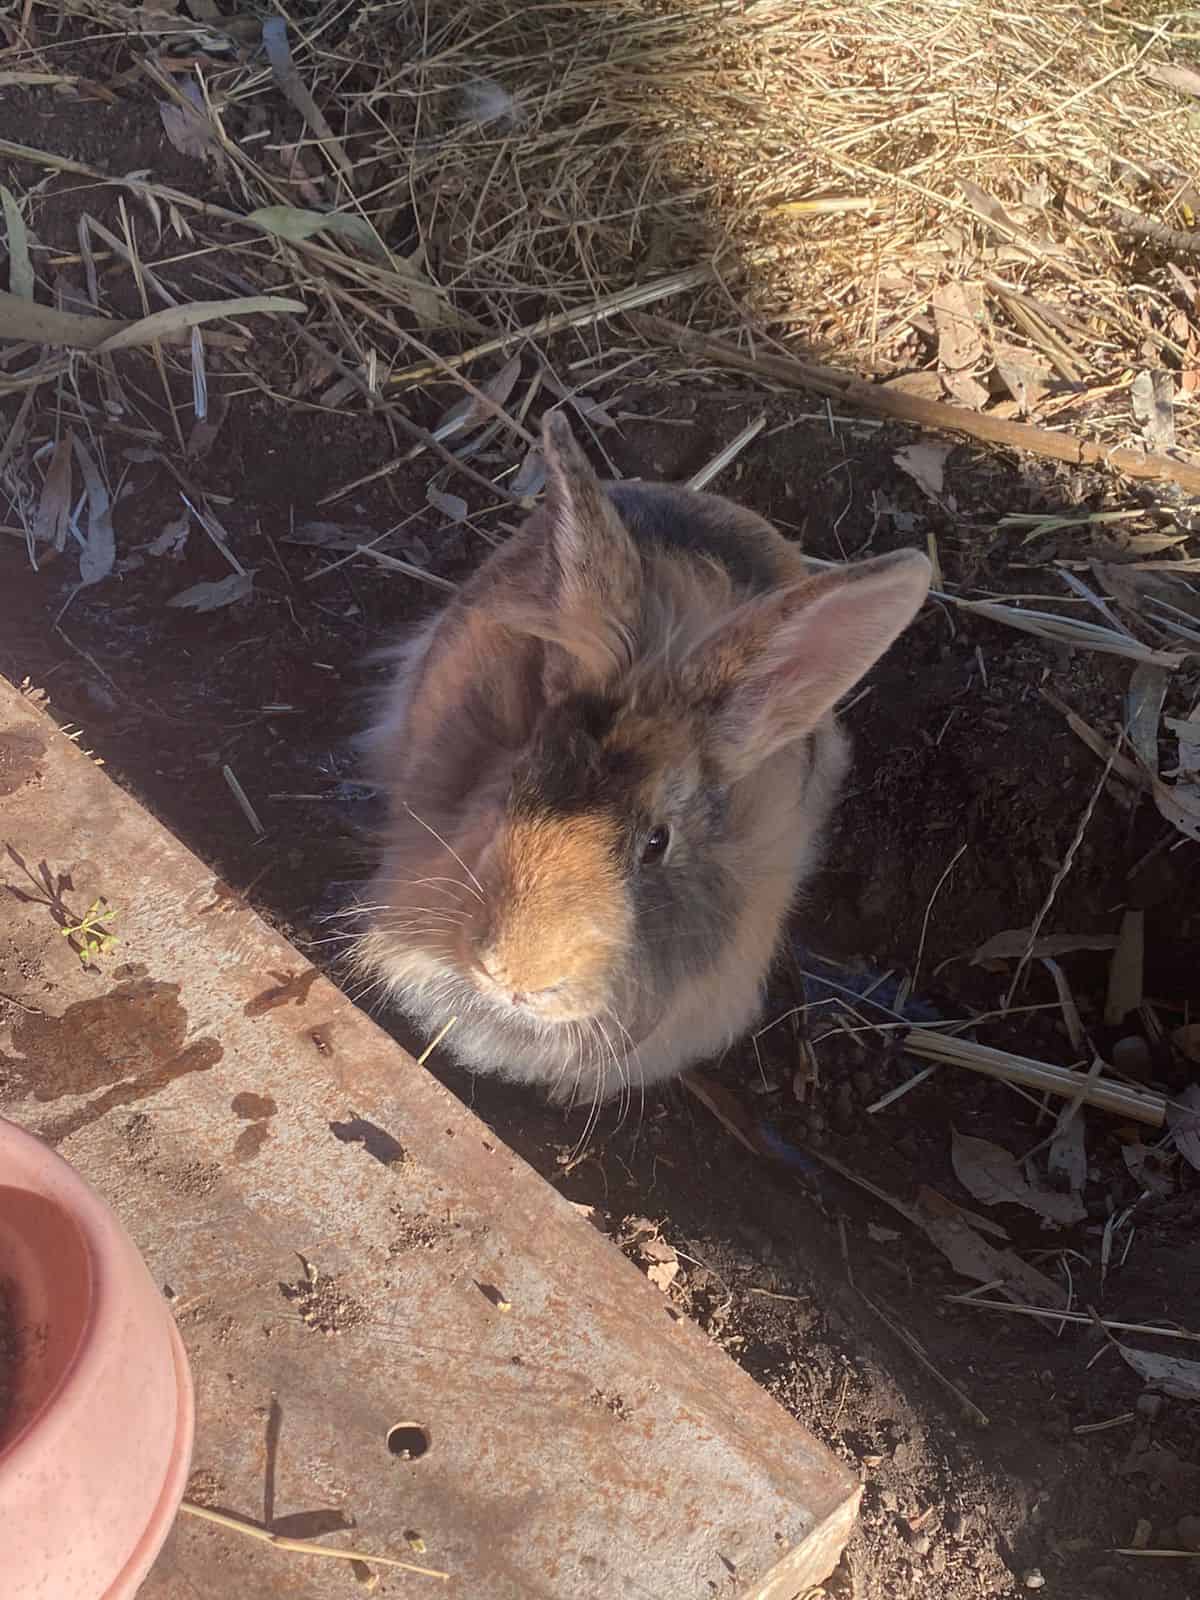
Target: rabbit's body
<point>608,762</point>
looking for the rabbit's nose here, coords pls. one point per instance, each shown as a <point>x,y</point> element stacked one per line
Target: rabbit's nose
<point>497,979</point>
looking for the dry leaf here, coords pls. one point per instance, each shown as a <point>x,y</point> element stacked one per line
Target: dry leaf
<point>20,268</point>
<point>1067,1155</point>
<point>663,1274</point>
<point>450,505</point>
<point>27,320</point>
<point>974,1258</point>
<point>1176,76</point>
<point>54,508</point>
<point>423,298</point>
<point>1168,1374</point>
<point>968,391</point>
<point>1152,396</point>
<point>179,320</point>
<point>1182,282</point>
<point>1071,1018</point>
<point>1012,944</point>
<point>880,1235</point>
<point>212,596</point>
<point>291,222</point>
<point>469,412</point>
<point>1183,1109</point>
<point>1126,585</point>
<point>957,312</point>
<point>1125,975</point>
<point>985,204</point>
<point>189,127</point>
<point>591,409</point>
<point>993,1175</point>
<point>45,80</point>
<point>283,69</point>
<point>22,320</point>
<point>329,535</point>
<point>990,210</point>
<point>656,1249</point>
<point>173,538</point>
<point>1187,1041</point>
<point>530,476</point>
<point>633,1228</point>
<point>1180,805</point>
<point>204,434</point>
<point>926,465</point>
<point>937,1205</point>
<point>1187,735</point>
<point>925,385</point>
<point>1027,377</point>
<point>100,552</point>
<point>1145,1167</point>
<point>1143,709</point>
<point>1073,631</point>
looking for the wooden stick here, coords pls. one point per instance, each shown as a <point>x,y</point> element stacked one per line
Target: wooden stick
<point>1121,1100</point>
<point>849,390</point>
<point>304,1547</point>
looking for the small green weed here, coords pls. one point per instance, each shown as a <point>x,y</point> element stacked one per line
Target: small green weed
<point>95,939</point>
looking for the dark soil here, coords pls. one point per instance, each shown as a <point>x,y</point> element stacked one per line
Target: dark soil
<point>819,1290</point>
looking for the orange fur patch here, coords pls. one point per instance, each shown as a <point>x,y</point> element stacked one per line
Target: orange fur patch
<point>562,913</point>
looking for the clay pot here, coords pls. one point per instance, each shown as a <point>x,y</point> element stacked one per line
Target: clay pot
<point>95,1395</point>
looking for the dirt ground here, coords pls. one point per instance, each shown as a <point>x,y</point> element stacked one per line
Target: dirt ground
<point>820,1290</point>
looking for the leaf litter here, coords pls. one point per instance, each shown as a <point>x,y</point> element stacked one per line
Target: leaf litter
<point>992,1174</point>
<point>54,508</point>
<point>212,596</point>
<point>925,464</point>
<point>188,125</point>
<point>20,268</point>
<point>99,552</point>
<point>1171,1375</point>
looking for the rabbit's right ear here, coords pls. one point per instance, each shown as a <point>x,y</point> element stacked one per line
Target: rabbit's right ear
<point>594,570</point>
<point>779,662</point>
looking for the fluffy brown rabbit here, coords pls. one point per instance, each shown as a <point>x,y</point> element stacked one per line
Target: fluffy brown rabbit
<point>607,763</point>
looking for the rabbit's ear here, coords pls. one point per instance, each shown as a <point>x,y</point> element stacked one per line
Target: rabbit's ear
<point>594,568</point>
<point>781,661</point>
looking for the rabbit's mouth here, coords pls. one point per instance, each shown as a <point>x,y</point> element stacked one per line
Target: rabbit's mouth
<point>559,1004</point>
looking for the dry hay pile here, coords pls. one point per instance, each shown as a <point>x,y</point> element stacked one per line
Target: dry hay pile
<point>997,204</point>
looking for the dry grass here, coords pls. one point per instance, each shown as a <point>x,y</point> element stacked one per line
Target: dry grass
<point>495,164</point>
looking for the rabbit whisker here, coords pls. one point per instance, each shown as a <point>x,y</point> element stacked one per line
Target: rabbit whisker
<point>449,848</point>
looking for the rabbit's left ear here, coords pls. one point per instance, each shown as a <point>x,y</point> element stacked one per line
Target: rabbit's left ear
<point>594,570</point>
<point>782,660</point>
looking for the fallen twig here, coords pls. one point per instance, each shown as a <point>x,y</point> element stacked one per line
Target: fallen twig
<point>305,1547</point>
<point>905,407</point>
<point>1119,1099</point>
<point>1072,1316</point>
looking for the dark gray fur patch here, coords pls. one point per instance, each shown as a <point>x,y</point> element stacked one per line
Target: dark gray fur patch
<point>686,906</point>
<point>571,768</point>
<point>695,524</point>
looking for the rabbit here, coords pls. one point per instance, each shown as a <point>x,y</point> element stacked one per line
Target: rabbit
<point>607,765</point>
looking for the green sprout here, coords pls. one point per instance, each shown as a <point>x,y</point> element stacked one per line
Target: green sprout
<point>95,940</point>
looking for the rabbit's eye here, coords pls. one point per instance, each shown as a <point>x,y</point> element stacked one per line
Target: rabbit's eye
<point>656,845</point>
